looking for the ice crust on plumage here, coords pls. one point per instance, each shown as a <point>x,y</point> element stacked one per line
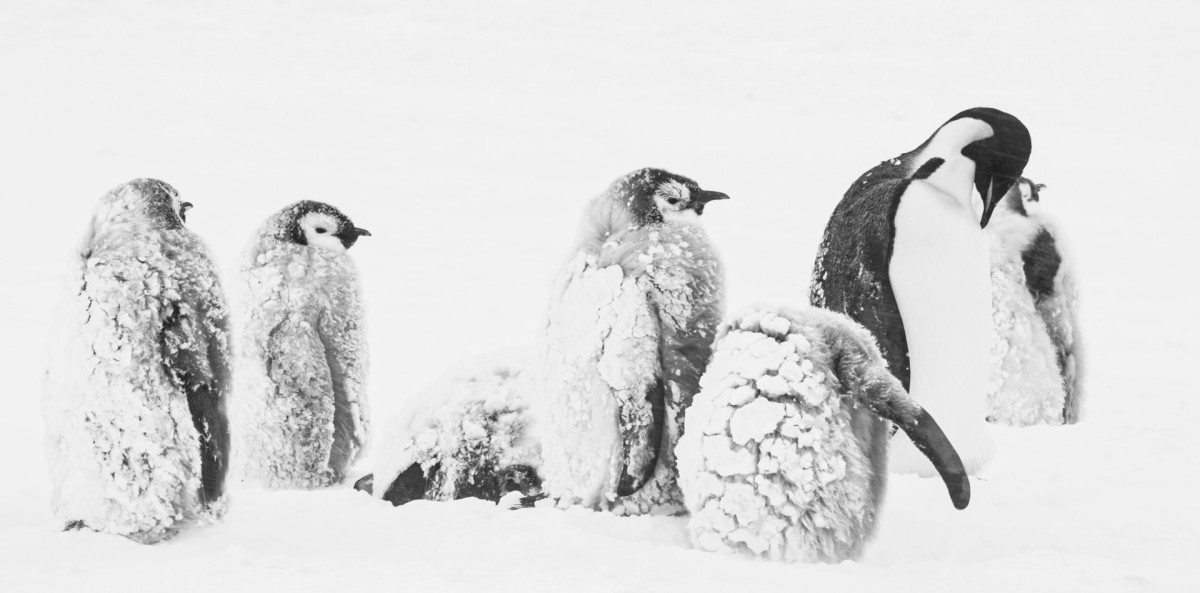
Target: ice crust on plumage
<point>1060,313</point>
<point>1034,377</point>
<point>777,459</point>
<point>471,424</point>
<point>603,343</point>
<point>301,342</point>
<point>628,295</point>
<point>1025,387</point>
<point>123,450</point>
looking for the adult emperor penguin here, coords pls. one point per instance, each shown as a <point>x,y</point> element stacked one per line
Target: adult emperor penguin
<point>905,254</point>
<point>784,451</point>
<point>629,331</point>
<point>1035,348</point>
<point>301,413</point>
<point>134,399</point>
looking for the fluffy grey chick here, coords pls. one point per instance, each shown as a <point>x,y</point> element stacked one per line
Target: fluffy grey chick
<point>467,436</point>
<point>301,413</point>
<point>134,399</point>
<point>784,453</point>
<point>629,330</point>
<point>1035,341</point>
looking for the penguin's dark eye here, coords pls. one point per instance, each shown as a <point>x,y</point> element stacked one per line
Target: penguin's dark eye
<point>320,230</point>
<point>672,201</point>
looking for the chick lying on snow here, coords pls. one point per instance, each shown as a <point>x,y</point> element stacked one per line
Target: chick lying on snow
<point>466,436</point>
<point>784,450</point>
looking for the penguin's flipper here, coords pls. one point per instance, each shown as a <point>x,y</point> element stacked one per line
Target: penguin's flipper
<point>638,388</point>
<point>883,395</point>
<point>342,353</point>
<point>642,446</point>
<point>858,367</point>
<point>194,353</point>
<point>1052,284</point>
<point>1041,262</point>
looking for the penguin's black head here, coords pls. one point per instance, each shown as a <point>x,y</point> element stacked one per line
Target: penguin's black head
<point>1034,193</point>
<point>655,196</point>
<point>318,224</point>
<point>1024,197</point>
<point>160,202</point>
<point>1000,158</point>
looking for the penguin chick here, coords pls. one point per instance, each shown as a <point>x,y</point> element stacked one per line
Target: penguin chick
<point>1035,348</point>
<point>134,397</point>
<point>629,330</point>
<point>301,411</point>
<point>468,436</point>
<point>905,255</point>
<point>784,450</point>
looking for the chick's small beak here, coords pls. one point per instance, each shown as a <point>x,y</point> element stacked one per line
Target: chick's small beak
<point>186,205</point>
<point>705,196</point>
<point>362,232</point>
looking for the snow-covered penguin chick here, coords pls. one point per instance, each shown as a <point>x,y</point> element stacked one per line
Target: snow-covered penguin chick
<point>784,450</point>
<point>300,410</point>
<point>1035,348</point>
<point>467,436</point>
<point>905,254</point>
<point>630,328</point>
<point>134,398</point>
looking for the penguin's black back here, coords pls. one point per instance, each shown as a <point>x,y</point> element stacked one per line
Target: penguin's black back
<point>850,275</point>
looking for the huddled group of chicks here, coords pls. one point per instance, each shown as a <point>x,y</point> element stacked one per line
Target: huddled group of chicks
<point>939,291</point>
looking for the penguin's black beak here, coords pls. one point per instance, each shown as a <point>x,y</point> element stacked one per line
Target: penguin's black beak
<point>183,210</point>
<point>1035,191</point>
<point>702,197</point>
<point>350,237</point>
<point>990,198</point>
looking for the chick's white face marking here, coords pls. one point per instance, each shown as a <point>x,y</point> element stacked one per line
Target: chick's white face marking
<point>1032,207</point>
<point>319,230</point>
<point>673,200</point>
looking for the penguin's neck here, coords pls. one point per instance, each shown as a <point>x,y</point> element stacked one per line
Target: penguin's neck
<point>939,272</point>
<point>948,142</point>
<point>956,176</point>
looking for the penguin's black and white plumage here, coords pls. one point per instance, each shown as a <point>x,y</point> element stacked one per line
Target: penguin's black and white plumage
<point>629,331</point>
<point>905,254</point>
<point>1035,348</point>
<point>468,436</point>
<point>301,408</point>
<point>784,450</point>
<point>135,394</point>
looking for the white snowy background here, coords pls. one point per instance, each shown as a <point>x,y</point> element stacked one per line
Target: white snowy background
<point>468,135</point>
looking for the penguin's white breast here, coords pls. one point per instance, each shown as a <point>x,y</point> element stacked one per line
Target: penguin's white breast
<point>940,276</point>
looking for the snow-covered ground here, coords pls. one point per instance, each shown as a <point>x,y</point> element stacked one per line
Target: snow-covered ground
<point>467,136</point>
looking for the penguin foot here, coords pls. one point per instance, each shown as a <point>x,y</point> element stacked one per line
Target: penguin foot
<point>515,500</point>
<point>366,484</point>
